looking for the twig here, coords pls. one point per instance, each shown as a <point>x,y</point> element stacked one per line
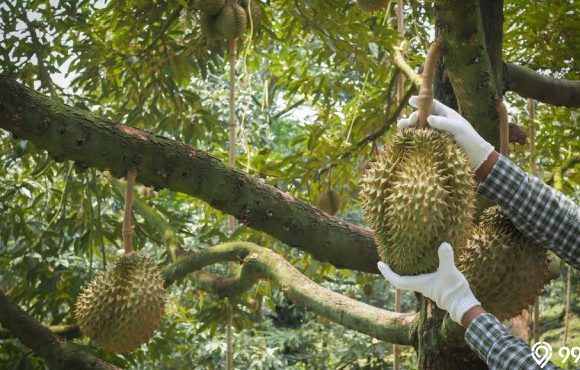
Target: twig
<point>127,227</point>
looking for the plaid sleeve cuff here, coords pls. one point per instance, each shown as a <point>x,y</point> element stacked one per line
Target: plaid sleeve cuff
<point>483,333</point>
<point>500,349</point>
<point>502,182</point>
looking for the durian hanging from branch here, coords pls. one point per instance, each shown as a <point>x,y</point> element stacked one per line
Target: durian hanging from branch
<point>228,19</point>
<point>505,270</point>
<point>122,308</point>
<point>419,191</point>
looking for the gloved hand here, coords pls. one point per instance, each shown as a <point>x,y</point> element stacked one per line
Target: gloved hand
<point>445,118</point>
<point>447,286</point>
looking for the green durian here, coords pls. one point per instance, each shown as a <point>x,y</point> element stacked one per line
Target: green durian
<point>121,308</point>
<point>329,201</point>
<point>208,27</point>
<point>418,193</point>
<point>209,7</point>
<point>231,22</point>
<point>372,5</point>
<point>253,11</point>
<point>506,272</point>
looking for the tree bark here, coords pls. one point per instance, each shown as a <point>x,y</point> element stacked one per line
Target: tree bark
<point>262,263</point>
<point>58,353</point>
<point>69,133</point>
<point>468,65</point>
<point>546,89</point>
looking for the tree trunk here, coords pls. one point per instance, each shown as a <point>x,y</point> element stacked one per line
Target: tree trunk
<point>476,70</point>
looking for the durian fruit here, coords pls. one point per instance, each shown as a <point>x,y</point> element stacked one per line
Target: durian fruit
<point>506,272</point>
<point>209,7</point>
<point>121,308</point>
<point>418,193</point>
<point>208,27</point>
<point>253,11</point>
<point>329,201</point>
<point>372,5</point>
<point>231,22</point>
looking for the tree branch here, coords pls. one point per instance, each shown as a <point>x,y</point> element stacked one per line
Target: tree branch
<point>559,172</point>
<point>386,125</point>
<point>468,65</point>
<point>549,90</point>
<point>58,353</point>
<point>262,263</point>
<point>63,331</point>
<point>400,62</point>
<point>69,133</point>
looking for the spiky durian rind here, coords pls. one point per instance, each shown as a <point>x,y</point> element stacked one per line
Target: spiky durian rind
<point>231,22</point>
<point>417,193</point>
<point>121,308</point>
<point>506,271</point>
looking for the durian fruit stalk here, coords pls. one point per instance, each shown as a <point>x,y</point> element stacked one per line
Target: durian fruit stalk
<point>417,193</point>
<point>122,308</point>
<point>505,271</point>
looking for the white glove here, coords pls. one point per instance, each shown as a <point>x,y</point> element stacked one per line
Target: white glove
<point>445,118</point>
<point>447,286</point>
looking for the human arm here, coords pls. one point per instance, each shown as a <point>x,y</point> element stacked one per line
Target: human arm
<point>449,289</point>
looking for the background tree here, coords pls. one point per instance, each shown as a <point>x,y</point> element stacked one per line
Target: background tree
<point>317,98</point>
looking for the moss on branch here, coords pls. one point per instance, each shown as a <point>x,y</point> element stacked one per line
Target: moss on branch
<point>69,133</point>
<point>262,263</point>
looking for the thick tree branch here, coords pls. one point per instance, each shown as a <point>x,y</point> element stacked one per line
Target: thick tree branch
<point>262,263</point>
<point>58,353</point>
<point>400,62</point>
<point>549,90</point>
<point>69,133</point>
<point>63,331</point>
<point>468,65</point>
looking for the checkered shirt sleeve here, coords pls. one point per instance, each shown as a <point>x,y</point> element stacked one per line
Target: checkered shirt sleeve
<point>499,348</point>
<point>544,215</point>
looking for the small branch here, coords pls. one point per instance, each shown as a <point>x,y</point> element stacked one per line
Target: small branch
<point>258,263</point>
<point>288,109</point>
<point>58,353</point>
<point>400,62</point>
<point>172,18</point>
<point>63,331</point>
<point>531,84</point>
<point>380,132</point>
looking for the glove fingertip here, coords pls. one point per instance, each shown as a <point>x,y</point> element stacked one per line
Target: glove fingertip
<point>414,101</point>
<point>403,123</point>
